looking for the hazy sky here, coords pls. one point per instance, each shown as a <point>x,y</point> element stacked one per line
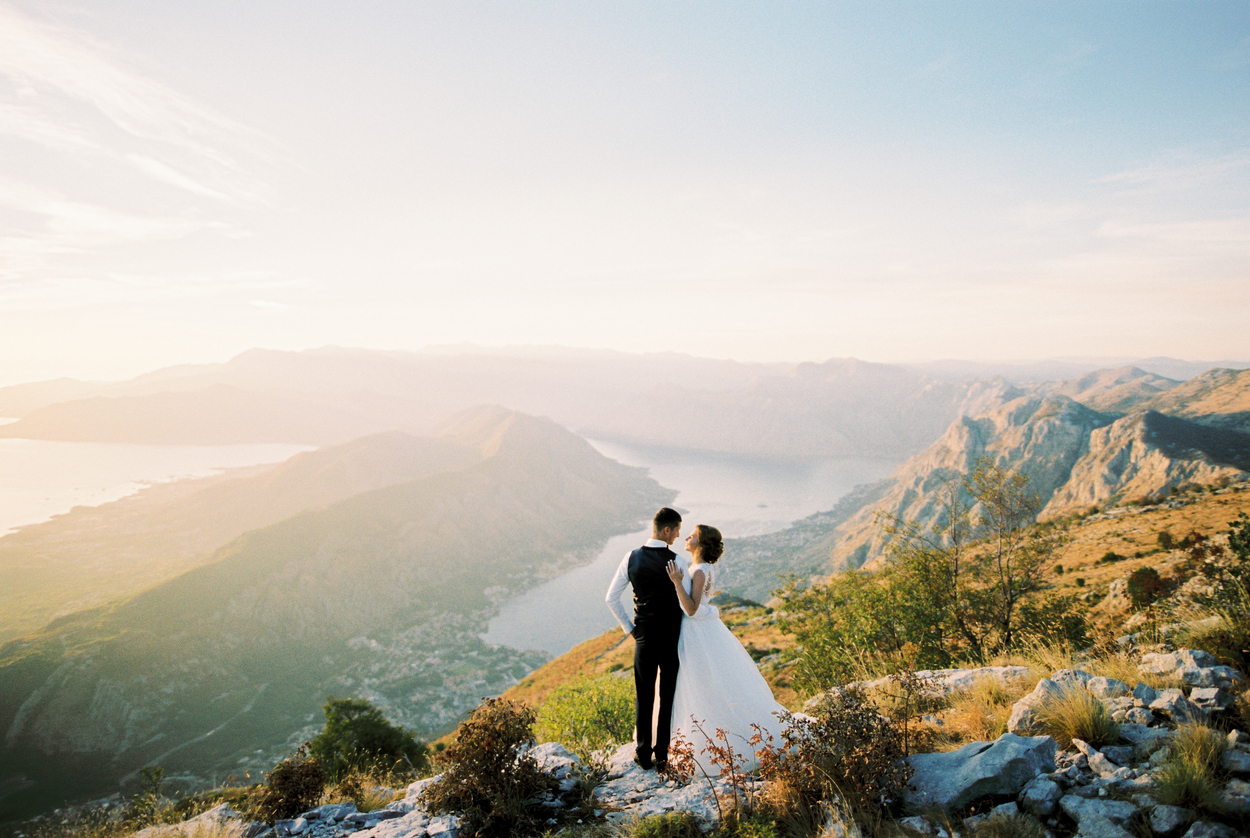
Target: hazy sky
<point>773,181</point>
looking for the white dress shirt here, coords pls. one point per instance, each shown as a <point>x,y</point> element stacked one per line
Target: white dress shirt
<point>620,581</point>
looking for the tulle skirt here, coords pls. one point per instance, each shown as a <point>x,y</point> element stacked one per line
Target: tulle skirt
<point>719,687</point>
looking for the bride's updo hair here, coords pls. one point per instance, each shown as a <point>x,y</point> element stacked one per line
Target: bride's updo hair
<point>709,539</point>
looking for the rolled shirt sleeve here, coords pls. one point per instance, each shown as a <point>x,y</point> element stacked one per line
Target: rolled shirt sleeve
<point>613,598</point>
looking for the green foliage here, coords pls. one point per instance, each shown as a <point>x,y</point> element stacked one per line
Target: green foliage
<point>1165,540</point>
<point>588,715</point>
<point>1144,587</point>
<point>146,802</point>
<point>966,589</point>
<point>487,780</point>
<point>1109,557</point>
<point>667,825</point>
<point>1051,618</point>
<point>295,785</point>
<point>757,824</point>
<point>358,737</point>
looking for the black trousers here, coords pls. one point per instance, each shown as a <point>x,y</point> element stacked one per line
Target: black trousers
<point>654,656</point>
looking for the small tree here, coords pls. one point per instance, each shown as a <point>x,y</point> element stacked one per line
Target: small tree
<point>987,552</point>
<point>358,736</point>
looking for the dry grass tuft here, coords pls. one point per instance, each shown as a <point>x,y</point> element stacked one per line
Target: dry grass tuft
<point>1188,778</point>
<point>202,829</point>
<point>1010,826</point>
<point>1076,714</point>
<point>979,714</point>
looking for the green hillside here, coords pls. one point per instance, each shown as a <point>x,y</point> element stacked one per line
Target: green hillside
<point>93,556</point>
<point>381,594</point>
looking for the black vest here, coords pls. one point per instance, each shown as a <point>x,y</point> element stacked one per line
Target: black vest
<point>656,606</point>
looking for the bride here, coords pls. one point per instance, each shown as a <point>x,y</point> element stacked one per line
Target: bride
<point>718,685</point>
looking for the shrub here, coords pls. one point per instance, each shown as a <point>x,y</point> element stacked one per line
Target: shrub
<point>589,715</point>
<point>487,780</point>
<point>668,825</point>
<point>295,785</point>
<point>146,802</point>
<point>1109,557</point>
<point>1165,540</point>
<point>357,737</point>
<point>1144,587</point>
<point>844,750</point>
<point>1077,714</point>
<point>1059,569</point>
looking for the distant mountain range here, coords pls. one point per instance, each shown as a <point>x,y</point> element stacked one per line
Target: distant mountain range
<point>379,586</point>
<point>843,407</point>
<point>1103,439</point>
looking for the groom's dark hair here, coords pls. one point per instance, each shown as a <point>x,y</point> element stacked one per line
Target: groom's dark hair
<point>666,518</point>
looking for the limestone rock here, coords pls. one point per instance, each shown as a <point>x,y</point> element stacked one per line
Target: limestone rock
<point>637,792</point>
<point>1107,687</point>
<point>1024,719</point>
<point>1119,754</point>
<point>1079,808</point>
<point>1178,708</point>
<point>1144,693</point>
<point>1040,796</point>
<point>1206,829</point>
<point>1169,820</point>
<point>1095,825</point>
<point>980,769</point>
<point>1211,698</point>
<point>1193,666</point>
<point>1145,740</point>
<point>411,825</point>
<point>1235,762</point>
<point>1236,797</point>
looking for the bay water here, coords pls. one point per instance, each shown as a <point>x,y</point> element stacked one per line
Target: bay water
<point>737,495</point>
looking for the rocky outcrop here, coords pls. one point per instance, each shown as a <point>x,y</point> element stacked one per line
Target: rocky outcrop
<point>978,770</point>
<point>1145,455</point>
<point>1042,435</point>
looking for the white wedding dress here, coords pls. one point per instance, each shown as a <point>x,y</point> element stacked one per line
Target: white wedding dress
<point>718,685</point>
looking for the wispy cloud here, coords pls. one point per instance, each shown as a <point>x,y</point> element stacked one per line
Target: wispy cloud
<point>1180,175</point>
<point>47,65</point>
<point>101,155</point>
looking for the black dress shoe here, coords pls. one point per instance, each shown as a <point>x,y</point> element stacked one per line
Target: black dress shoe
<point>643,762</point>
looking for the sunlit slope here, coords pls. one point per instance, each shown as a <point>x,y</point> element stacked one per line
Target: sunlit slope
<point>92,556</point>
<point>1219,397</point>
<point>248,646</point>
<point>1076,457</point>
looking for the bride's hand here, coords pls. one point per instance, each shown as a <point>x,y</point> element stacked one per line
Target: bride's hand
<point>674,573</point>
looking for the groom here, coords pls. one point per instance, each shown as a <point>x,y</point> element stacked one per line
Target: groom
<point>655,628</point>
